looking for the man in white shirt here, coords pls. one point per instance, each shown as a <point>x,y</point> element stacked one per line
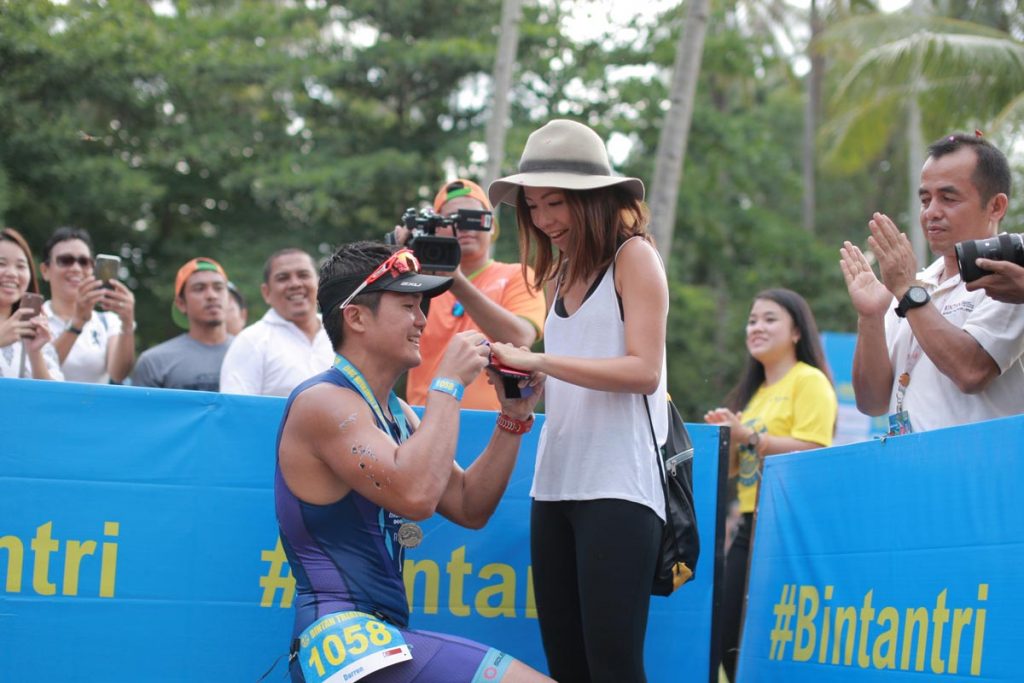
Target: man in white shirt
<point>288,344</point>
<point>943,355</point>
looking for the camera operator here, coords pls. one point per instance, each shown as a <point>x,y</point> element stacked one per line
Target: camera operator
<point>486,295</point>
<point>1005,281</point>
<point>942,355</point>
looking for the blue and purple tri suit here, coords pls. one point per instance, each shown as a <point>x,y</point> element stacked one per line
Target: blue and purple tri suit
<point>345,556</point>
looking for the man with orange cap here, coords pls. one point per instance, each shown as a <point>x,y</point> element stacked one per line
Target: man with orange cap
<point>486,295</point>
<point>191,360</point>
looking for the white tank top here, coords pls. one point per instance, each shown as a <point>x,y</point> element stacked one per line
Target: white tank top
<point>597,444</point>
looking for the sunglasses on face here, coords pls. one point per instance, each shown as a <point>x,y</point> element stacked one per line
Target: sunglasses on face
<point>402,261</point>
<point>67,260</point>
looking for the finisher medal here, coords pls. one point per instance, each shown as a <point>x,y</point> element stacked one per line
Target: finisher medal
<point>409,535</point>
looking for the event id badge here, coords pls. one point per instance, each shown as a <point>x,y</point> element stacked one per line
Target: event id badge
<point>899,423</point>
<point>347,646</point>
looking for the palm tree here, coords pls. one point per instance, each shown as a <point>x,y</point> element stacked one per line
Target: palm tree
<point>675,131</point>
<point>504,61</point>
<point>921,76</point>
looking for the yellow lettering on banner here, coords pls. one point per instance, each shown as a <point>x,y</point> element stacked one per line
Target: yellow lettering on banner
<point>826,625</point>
<point>458,569</point>
<point>887,640</point>
<point>15,559</point>
<point>531,601</point>
<point>74,551</point>
<point>867,615</point>
<point>505,589</point>
<point>845,616</point>
<point>108,561</point>
<point>961,618</point>
<point>42,545</point>
<point>940,616</point>
<point>916,618</point>
<point>806,611</point>
<point>979,631</point>
<point>432,583</point>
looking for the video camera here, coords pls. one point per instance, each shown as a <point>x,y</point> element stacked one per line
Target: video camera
<point>440,253</point>
<point>1002,247</point>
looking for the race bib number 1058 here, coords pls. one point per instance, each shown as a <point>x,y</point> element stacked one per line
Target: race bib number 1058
<point>346,646</point>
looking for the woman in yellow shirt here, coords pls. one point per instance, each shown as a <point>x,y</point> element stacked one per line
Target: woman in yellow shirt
<point>788,404</point>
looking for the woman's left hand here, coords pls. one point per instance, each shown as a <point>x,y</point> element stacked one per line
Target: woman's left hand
<point>121,301</point>
<point>520,358</point>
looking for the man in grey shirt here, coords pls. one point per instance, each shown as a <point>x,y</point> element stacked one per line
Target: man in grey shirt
<point>191,360</point>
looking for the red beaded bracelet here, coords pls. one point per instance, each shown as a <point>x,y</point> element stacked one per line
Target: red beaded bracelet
<point>514,426</point>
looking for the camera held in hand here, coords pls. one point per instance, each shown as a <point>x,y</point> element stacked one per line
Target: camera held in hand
<point>1002,247</point>
<point>440,253</point>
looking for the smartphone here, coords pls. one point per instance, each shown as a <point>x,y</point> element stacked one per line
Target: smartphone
<point>31,302</point>
<point>107,268</point>
<point>510,378</point>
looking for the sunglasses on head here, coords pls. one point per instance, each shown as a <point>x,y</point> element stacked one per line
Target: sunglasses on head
<point>67,260</point>
<point>402,261</point>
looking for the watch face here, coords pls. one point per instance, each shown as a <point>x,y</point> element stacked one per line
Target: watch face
<point>918,295</point>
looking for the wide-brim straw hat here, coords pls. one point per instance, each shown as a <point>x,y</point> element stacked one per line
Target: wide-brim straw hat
<point>563,154</point>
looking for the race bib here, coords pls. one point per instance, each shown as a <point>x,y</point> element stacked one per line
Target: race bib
<point>346,646</point>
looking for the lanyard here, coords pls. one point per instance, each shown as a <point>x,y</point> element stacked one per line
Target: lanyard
<point>350,371</point>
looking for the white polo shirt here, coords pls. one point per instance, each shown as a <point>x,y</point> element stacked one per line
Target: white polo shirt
<point>273,356</point>
<point>932,399</point>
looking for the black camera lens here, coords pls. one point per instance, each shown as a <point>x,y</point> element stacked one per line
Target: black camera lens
<point>1002,247</point>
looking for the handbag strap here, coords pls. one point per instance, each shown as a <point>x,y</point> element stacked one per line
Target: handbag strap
<point>657,449</point>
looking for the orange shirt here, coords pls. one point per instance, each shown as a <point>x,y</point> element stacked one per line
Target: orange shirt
<point>500,282</point>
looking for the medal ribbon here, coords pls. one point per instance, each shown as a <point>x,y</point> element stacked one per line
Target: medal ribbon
<point>342,365</point>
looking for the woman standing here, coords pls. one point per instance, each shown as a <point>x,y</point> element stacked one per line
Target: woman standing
<point>24,339</point>
<point>788,404</point>
<point>92,345</point>
<point>598,504</point>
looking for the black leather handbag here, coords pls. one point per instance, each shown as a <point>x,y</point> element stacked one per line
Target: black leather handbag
<point>680,541</point>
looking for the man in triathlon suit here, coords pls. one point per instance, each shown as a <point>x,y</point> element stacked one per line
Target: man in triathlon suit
<point>356,469</point>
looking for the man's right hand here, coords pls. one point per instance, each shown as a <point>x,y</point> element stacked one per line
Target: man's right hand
<point>467,354</point>
<point>869,296</point>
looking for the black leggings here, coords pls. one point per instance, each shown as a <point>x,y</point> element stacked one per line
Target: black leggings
<point>734,590</point>
<point>593,565</point>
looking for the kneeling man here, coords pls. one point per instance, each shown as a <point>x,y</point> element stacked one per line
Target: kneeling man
<point>356,469</point>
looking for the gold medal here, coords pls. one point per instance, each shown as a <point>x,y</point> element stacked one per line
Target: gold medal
<point>410,535</point>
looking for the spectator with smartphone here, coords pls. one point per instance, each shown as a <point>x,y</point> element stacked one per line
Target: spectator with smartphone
<point>486,295</point>
<point>191,360</point>
<point>25,349</point>
<point>95,346</point>
<point>288,344</point>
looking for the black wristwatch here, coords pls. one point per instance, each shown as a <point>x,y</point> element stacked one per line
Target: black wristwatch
<point>915,297</point>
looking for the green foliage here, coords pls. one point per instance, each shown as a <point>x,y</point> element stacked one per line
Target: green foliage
<point>234,129</point>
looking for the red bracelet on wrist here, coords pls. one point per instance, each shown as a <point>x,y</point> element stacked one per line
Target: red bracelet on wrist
<point>513,426</point>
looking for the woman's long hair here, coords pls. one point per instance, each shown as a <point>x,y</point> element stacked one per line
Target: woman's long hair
<point>808,347</point>
<point>12,235</point>
<point>603,218</point>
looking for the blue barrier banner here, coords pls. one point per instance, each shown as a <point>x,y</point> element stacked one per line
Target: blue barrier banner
<point>138,543</point>
<point>891,560</point>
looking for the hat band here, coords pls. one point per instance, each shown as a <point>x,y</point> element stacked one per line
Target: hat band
<point>563,166</point>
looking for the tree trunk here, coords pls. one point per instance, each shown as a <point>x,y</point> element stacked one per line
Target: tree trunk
<point>915,160</point>
<point>811,108</point>
<point>675,131</point>
<point>508,41</point>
